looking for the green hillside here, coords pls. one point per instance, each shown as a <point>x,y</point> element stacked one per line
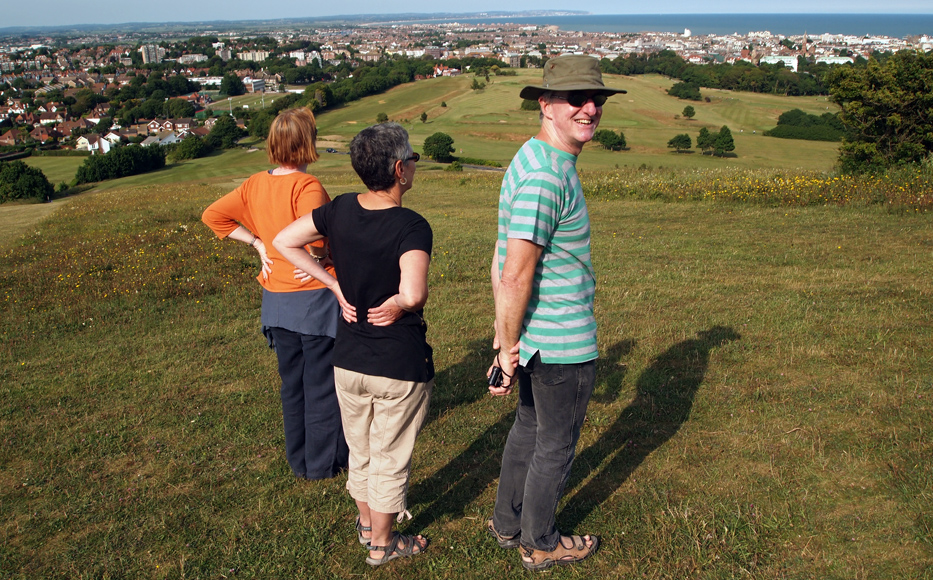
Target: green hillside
<point>489,123</point>
<point>761,411</point>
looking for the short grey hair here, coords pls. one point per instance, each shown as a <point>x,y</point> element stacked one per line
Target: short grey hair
<point>374,151</point>
<point>547,96</point>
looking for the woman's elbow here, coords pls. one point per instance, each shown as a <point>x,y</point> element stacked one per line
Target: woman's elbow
<point>412,300</point>
<point>281,242</point>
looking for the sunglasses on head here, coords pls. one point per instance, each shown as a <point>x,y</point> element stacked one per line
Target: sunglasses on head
<point>579,99</point>
<point>414,157</point>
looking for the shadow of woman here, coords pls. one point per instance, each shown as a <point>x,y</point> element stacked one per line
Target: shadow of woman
<point>664,397</point>
<point>448,490</point>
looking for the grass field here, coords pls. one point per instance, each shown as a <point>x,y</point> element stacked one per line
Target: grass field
<point>762,405</point>
<point>489,124</point>
<point>763,392</point>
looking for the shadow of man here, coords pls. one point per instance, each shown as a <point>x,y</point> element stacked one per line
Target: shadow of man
<point>664,397</point>
<point>469,474</point>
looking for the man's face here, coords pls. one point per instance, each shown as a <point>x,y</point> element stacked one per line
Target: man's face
<point>574,121</point>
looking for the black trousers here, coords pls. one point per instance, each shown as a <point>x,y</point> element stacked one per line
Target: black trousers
<point>314,442</point>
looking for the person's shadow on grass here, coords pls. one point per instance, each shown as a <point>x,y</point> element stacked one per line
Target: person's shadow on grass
<point>448,490</point>
<point>456,485</point>
<point>664,397</point>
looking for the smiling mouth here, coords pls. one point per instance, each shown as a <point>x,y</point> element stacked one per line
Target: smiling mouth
<point>584,121</point>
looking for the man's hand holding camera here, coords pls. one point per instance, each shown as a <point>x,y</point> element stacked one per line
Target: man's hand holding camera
<point>501,374</point>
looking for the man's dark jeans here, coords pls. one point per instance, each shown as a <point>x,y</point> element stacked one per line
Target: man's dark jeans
<point>552,400</point>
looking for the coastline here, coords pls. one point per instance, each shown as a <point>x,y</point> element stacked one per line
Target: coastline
<point>891,25</point>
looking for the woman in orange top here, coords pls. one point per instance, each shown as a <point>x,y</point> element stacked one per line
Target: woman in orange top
<point>299,316</point>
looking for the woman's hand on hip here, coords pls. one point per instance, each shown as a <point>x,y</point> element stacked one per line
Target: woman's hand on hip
<point>385,314</point>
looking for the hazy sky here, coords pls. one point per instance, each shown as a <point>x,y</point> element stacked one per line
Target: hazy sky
<point>63,12</point>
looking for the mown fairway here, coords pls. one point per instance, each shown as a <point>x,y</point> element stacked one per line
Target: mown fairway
<point>762,407</point>
<point>489,123</point>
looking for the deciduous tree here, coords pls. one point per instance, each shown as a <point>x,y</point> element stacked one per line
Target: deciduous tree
<point>886,110</point>
<point>680,142</point>
<point>439,147</point>
<point>610,140</point>
<point>225,133</point>
<point>231,85</point>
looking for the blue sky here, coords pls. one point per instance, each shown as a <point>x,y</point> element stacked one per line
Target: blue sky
<point>63,12</point>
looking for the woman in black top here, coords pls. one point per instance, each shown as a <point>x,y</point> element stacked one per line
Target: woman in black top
<point>383,364</point>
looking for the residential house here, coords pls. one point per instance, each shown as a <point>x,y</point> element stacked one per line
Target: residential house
<point>50,107</point>
<point>26,119</point>
<point>52,118</point>
<point>11,137</point>
<point>66,127</point>
<point>89,142</point>
<point>94,143</point>
<point>43,134</point>
<point>16,106</point>
<point>162,138</point>
<point>114,137</point>
<point>445,71</point>
<point>184,125</point>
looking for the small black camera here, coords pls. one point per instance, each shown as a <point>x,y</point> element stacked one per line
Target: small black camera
<point>495,377</point>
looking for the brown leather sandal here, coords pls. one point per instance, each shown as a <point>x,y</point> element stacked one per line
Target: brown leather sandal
<point>507,542</point>
<point>562,555</point>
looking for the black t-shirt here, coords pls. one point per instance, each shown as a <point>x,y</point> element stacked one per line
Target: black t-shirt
<point>365,246</point>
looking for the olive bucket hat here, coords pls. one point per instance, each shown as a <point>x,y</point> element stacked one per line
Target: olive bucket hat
<point>570,72</point>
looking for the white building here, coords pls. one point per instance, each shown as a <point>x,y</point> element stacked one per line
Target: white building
<point>788,60</point>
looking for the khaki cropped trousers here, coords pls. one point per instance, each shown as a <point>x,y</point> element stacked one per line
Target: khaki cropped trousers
<point>381,420</point>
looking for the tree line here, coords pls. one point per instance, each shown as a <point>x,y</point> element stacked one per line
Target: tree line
<point>741,76</point>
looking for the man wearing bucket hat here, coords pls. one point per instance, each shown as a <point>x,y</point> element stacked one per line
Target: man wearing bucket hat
<point>543,284</point>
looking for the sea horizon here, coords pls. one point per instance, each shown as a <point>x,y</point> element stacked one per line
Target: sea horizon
<point>892,25</point>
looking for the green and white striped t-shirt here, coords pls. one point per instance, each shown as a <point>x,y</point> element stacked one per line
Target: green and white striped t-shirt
<point>541,201</point>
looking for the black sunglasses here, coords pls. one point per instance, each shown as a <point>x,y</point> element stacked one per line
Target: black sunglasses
<point>414,157</point>
<point>577,100</point>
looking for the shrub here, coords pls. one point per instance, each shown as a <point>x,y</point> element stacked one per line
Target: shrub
<point>192,147</point>
<point>120,162</point>
<point>476,161</point>
<point>796,124</point>
<point>20,181</point>
<point>530,105</point>
<point>687,91</point>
